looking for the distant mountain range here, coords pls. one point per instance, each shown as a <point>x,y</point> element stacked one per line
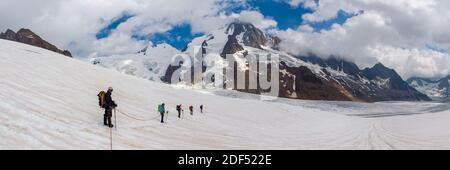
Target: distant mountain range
<point>377,83</point>
<point>301,77</point>
<point>27,36</point>
<point>436,88</point>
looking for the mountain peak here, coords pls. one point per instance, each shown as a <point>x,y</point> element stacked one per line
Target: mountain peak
<point>25,30</point>
<point>240,25</point>
<point>381,71</point>
<point>381,66</point>
<point>27,36</point>
<point>8,35</point>
<point>250,36</point>
<point>9,31</point>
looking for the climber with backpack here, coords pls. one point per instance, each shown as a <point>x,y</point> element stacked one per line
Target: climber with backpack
<point>179,111</point>
<point>106,102</point>
<point>201,108</point>
<point>191,109</point>
<point>162,111</point>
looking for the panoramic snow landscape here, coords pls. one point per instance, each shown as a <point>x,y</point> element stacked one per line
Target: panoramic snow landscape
<point>354,74</point>
<point>49,101</point>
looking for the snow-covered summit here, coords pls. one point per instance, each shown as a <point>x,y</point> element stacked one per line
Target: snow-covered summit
<point>150,63</point>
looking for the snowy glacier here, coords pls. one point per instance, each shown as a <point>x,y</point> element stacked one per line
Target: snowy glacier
<point>48,101</point>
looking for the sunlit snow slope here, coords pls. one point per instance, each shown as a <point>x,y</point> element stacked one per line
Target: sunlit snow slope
<point>48,101</point>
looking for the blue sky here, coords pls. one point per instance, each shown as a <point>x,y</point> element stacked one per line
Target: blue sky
<point>436,48</point>
<point>180,35</point>
<point>105,32</point>
<point>283,13</point>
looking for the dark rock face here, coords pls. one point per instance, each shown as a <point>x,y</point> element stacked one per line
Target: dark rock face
<point>26,36</point>
<point>380,71</point>
<point>375,84</point>
<point>395,88</point>
<point>333,63</point>
<point>232,46</point>
<point>302,82</point>
<point>8,35</point>
<point>378,83</point>
<point>251,37</point>
<point>275,43</point>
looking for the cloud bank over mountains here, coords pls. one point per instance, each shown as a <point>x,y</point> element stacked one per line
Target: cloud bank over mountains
<point>411,36</point>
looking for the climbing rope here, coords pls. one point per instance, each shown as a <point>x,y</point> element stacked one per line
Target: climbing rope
<point>135,118</point>
<point>131,117</point>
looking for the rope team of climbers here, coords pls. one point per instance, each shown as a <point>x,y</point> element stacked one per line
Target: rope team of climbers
<point>106,102</point>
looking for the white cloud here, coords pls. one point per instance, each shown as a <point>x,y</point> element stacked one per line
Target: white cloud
<point>387,31</point>
<point>74,23</point>
<point>69,23</point>
<point>117,43</point>
<point>397,30</point>
<point>414,62</point>
<point>305,3</point>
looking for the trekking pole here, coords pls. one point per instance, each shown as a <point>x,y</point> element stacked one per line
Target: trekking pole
<point>167,116</point>
<point>115,118</point>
